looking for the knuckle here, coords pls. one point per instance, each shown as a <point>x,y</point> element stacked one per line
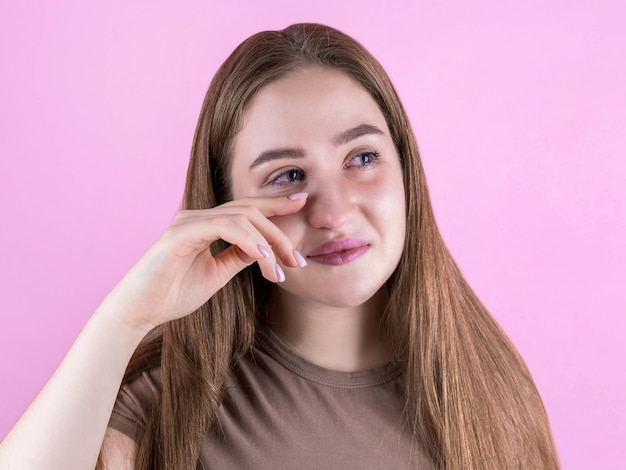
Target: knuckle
<point>248,211</point>
<point>250,239</point>
<point>240,219</point>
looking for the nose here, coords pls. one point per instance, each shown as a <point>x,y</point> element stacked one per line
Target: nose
<point>330,207</point>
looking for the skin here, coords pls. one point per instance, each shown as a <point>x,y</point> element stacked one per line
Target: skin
<point>329,314</point>
<point>174,277</point>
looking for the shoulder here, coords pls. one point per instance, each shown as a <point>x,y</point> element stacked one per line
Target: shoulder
<point>135,401</point>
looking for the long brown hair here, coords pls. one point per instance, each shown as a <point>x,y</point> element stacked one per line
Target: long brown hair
<point>470,400</point>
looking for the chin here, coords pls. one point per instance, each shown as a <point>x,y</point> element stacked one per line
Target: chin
<point>338,295</point>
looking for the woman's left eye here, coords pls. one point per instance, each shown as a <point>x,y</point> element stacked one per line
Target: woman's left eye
<point>365,159</point>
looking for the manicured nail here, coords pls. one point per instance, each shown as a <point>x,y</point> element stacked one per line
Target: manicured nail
<point>297,196</point>
<point>280,274</point>
<point>299,258</point>
<point>264,251</point>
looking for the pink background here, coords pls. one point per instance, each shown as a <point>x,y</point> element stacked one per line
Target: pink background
<point>519,109</point>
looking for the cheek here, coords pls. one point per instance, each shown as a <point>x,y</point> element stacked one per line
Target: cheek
<point>390,206</point>
<point>393,216</point>
<point>291,225</point>
<point>388,198</point>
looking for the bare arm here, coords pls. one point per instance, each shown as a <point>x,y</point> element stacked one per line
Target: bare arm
<point>65,425</point>
<point>118,451</point>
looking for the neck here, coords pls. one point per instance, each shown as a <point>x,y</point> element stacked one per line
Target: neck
<point>346,339</point>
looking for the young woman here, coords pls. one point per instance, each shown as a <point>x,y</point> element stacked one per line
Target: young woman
<point>303,308</point>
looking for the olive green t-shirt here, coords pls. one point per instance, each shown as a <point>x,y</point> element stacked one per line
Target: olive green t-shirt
<point>282,412</point>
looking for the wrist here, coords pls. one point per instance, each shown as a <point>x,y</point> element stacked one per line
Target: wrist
<point>111,318</point>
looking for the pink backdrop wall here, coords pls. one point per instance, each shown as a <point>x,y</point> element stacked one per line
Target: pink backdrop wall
<point>519,109</point>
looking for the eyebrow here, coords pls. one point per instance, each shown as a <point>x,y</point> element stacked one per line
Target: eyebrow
<point>340,139</point>
<point>355,133</point>
<point>270,155</point>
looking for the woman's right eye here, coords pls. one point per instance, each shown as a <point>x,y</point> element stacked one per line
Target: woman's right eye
<point>292,175</point>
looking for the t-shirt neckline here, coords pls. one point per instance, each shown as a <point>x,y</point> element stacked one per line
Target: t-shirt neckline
<point>269,342</point>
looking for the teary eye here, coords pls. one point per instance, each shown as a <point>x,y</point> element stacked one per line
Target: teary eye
<point>292,175</point>
<point>364,159</point>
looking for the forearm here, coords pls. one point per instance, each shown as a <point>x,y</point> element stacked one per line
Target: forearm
<point>65,425</point>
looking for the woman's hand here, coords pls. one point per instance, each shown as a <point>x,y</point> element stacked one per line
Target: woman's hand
<point>178,273</point>
<point>175,277</point>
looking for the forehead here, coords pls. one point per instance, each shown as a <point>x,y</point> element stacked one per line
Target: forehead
<point>307,105</point>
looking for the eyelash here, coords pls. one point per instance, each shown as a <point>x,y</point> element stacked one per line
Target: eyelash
<point>373,155</point>
<point>285,174</point>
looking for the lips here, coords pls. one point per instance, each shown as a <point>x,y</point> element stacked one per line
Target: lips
<point>338,252</point>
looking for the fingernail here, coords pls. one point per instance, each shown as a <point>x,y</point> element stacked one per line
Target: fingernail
<point>299,258</point>
<point>280,274</point>
<point>264,251</point>
<point>297,196</point>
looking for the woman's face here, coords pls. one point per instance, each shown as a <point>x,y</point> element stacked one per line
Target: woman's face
<point>318,131</point>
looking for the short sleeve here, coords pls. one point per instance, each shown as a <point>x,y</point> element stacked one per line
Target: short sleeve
<point>134,404</point>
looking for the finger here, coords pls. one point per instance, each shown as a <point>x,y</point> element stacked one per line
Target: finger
<point>233,260</point>
<point>243,250</point>
<point>257,210</point>
<point>267,206</point>
<point>195,234</point>
<point>199,232</point>
<point>270,207</point>
<point>273,206</point>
